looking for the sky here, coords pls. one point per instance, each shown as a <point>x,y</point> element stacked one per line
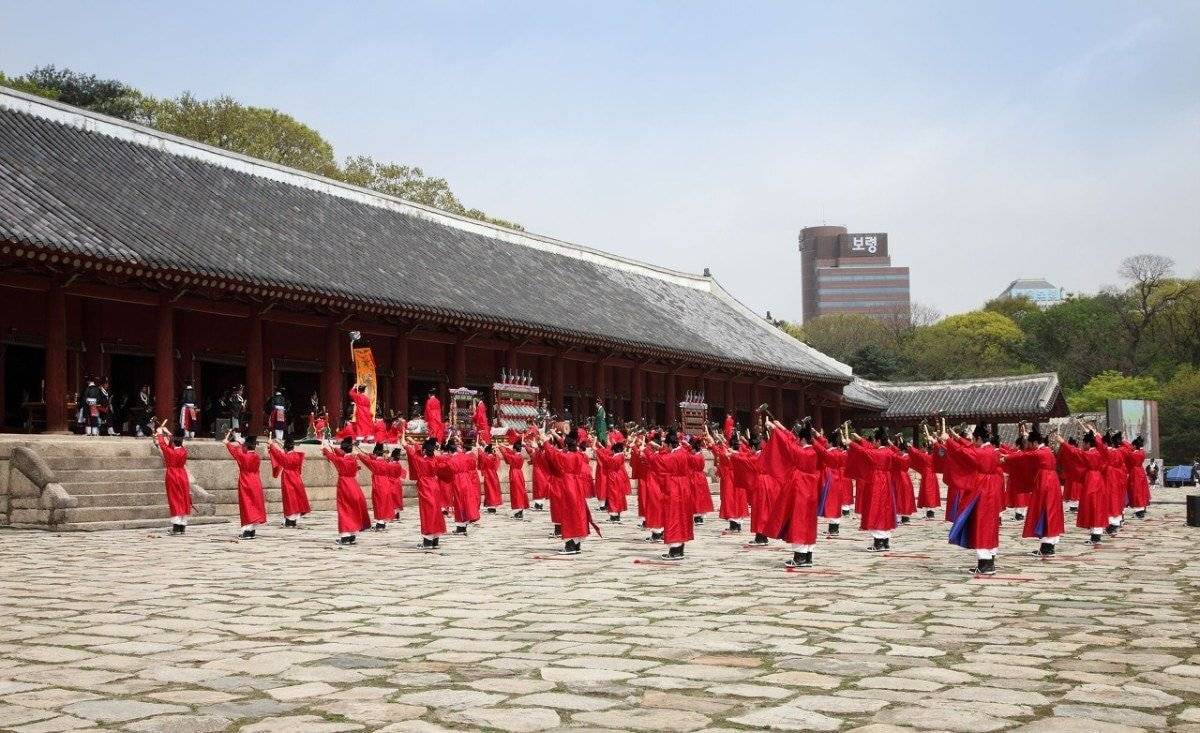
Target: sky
<point>991,141</point>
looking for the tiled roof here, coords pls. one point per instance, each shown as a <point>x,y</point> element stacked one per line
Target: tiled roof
<point>1029,395</point>
<point>72,181</point>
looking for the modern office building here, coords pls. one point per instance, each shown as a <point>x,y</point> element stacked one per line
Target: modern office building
<point>1038,290</point>
<point>844,272</point>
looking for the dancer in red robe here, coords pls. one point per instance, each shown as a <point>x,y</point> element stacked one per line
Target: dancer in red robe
<point>175,477</point>
<point>489,467</point>
<point>1074,471</point>
<point>833,488</point>
<point>570,500</point>
<point>762,497</point>
<point>797,463</point>
<point>702,502</point>
<point>423,466</point>
<point>433,418</point>
<point>514,458</point>
<point>1092,510</point>
<point>287,465</point>
<point>1044,507</point>
<point>1139,485</point>
<point>977,526</point>
<point>353,516</point>
<point>610,462</point>
<point>1115,480</point>
<point>541,480</point>
<point>929,495</point>
<point>1020,477</point>
<point>384,476</point>
<point>673,470</point>
<point>251,504</point>
<point>463,467</point>
<point>901,481</point>
<point>651,490</point>
<point>735,507</point>
<point>878,513</point>
<point>364,419</point>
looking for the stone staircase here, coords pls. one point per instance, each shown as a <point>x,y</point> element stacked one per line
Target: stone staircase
<point>117,492</point>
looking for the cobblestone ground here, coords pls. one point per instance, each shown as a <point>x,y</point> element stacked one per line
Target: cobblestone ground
<point>138,631</point>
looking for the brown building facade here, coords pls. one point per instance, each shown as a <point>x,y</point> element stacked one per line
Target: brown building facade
<point>845,272</point>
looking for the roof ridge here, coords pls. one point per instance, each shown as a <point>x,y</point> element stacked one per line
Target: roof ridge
<point>115,127</point>
<point>966,381</point>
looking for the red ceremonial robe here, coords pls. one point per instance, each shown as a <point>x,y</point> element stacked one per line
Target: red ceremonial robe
<point>1115,481</point>
<point>364,421</point>
<point>637,470</point>
<point>744,466</point>
<point>517,498</point>
<point>977,525</point>
<point>958,475</point>
<point>541,480</point>
<point>175,476</point>
<point>465,486</point>
<point>287,466</point>
<point>352,511</point>
<point>433,419</point>
<point>599,480</point>
<point>570,500</point>
<point>734,505</point>
<point>384,475</point>
<point>483,429</point>
<point>702,502</point>
<point>1139,485</point>
<point>429,493</point>
<point>878,513</point>
<point>674,469</point>
<point>1093,492</point>
<point>930,494</point>
<point>489,466</point>
<point>251,504</point>
<point>902,484</point>
<point>1045,505</point>
<point>1021,476</point>
<point>798,468</point>
<point>858,469</point>
<point>652,492</point>
<point>611,466</point>
<point>1074,471</point>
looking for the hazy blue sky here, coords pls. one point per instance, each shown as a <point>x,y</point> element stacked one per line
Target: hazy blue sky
<point>991,141</point>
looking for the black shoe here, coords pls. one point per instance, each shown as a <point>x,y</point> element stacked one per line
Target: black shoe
<point>800,560</point>
<point>1094,540</point>
<point>929,514</point>
<point>353,539</point>
<point>570,548</point>
<point>460,530</point>
<point>557,531</point>
<point>759,539</point>
<point>397,517</point>
<point>491,510</point>
<point>602,507</point>
<point>654,537</point>
<point>426,544</point>
<point>1111,530</point>
<point>697,519</point>
<point>290,523</point>
<point>1072,509</point>
<point>834,530</point>
<point>343,541</point>
<point>887,543</point>
<point>435,542</point>
<point>735,527</point>
<point>980,568</point>
<point>1140,514</point>
<point>247,534</point>
<point>614,518</point>
<point>845,512</point>
<point>537,506</point>
<point>1018,516</point>
<point>876,545</point>
<point>673,553</point>
<point>445,512</point>
<point>904,519</point>
<point>379,527</point>
<point>519,514</point>
<point>1046,550</point>
<point>178,528</point>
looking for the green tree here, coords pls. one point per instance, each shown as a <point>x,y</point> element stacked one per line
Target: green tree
<point>975,344</point>
<point>258,132</point>
<point>1018,308</point>
<point>1179,416</point>
<point>840,335</point>
<point>106,96</point>
<point>1110,385</point>
<point>1074,338</point>
<point>412,184</point>
<point>22,85</point>
<point>1151,298</point>
<point>875,362</point>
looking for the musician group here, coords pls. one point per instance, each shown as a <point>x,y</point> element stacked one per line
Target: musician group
<point>779,484</point>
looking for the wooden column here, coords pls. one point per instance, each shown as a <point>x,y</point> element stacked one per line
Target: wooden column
<point>56,360</point>
<point>777,405</point>
<point>802,403</point>
<point>818,415</point>
<point>730,398</point>
<point>599,384</point>
<point>637,392</point>
<point>400,374</point>
<point>164,363</point>
<point>510,360</point>
<point>331,378</point>
<point>556,384</point>
<point>458,371</point>
<point>91,317</point>
<point>256,396</point>
<point>672,399</point>
<point>835,416</point>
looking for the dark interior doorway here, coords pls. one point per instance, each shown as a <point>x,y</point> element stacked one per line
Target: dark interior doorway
<point>24,369</point>
<point>418,392</point>
<point>127,374</point>
<point>215,380</point>
<point>299,388</point>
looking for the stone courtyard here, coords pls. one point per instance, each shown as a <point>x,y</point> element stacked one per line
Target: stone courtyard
<point>132,630</point>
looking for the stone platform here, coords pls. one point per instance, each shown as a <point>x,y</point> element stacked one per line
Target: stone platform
<point>136,631</point>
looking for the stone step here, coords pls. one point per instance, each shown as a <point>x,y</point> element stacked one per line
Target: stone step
<point>134,524</point>
<point>90,462</point>
<point>122,500</point>
<point>109,475</point>
<point>116,513</point>
<point>84,488</point>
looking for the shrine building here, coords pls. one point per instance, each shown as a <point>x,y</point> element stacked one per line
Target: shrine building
<point>152,259</point>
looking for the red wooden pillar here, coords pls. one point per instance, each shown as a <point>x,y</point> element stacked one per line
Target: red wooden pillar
<point>331,378</point>
<point>93,362</point>
<point>400,374</point>
<point>637,389</point>
<point>556,383</point>
<point>835,416</point>
<point>164,362</point>
<point>255,394</point>
<point>459,369</point>
<point>730,399</point>
<point>802,403</point>
<point>818,415</point>
<point>55,385</point>
<point>510,361</point>
<point>777,404</point>
<point>672,400</point>
<point>599,385</point>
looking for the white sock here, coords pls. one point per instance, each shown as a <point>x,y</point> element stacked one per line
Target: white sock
<point>247,527</point>
<point>880,535</point>
<point>1050,540</point>
<point>802,548</point>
